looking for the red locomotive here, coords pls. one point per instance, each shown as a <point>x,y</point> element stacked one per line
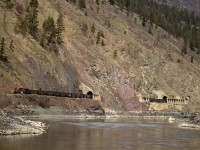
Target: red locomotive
<point>21,90</point>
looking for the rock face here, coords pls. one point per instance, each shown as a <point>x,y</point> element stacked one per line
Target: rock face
<point>191,5</point>
<point>127,59</point>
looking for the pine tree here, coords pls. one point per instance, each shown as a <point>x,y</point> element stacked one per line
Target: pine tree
<point>49,25</point>
<point>86,14</point>
<point>33,17</point>
<point>198,51</point>
<point>60,28</point>
<point>74,1</point>
<point>102,34</point>
<point>2,54</point>
<point>43,41</point>
<point>144,22</point>
<point>115,54</point>
<point>8,2</point>
<point>84,28</point>
<point>150,29</point>
<point>128,6</point>
<point>191,45</point>
<point>102,43</point>
<point>184,48</point>
<point>49,29</point>
<point>93,28</point>
<point>103,2</point>
<point>11,45</point>
<point>121,4</point>
<point>2,47</point>
<point>98,9</point>
<point>97,2</point>
<point>82,4</point>
<point>112,2</point>
<point>24,26</point>
<point>191,59</point>
<point>98,37</point>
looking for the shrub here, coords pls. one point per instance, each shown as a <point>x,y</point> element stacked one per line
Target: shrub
<point>20,9</point>
<point>103,43</point>
<point>98,38</point>
<point>191,59</point>
<point>44,104</point>
<point>84,28</point>
<point>115,54</point>
<point>93,28</point>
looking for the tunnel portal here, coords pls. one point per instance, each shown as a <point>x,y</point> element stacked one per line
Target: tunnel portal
<point>90,95</point>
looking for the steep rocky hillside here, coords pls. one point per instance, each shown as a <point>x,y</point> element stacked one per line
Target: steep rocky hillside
<point>127,59</point>
<point>191,5</point>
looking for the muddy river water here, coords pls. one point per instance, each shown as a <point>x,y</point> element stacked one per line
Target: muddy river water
<point>121,134</point>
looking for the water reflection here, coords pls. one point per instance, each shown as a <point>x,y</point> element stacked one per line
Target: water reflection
<point>106,135</point>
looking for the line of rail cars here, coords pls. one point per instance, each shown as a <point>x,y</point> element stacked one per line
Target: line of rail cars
<point>155,100</point>
<point>53,93</point>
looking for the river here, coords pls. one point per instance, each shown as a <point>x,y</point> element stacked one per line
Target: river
<point>121,134</point>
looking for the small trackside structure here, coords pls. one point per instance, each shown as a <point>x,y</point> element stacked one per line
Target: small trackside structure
<point>158,96</point>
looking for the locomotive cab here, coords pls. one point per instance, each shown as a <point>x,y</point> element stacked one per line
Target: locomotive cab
<point>21,91</point>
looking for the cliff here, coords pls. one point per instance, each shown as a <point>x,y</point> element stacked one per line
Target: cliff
<point>126,60</point>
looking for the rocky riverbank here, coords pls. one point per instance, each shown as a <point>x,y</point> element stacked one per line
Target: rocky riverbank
<point>34,106</point>
<point>191,121</point>
<point>16,125</point>
<point>11,121</point>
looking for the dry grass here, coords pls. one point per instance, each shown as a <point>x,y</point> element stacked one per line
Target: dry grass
<point>5,103</point>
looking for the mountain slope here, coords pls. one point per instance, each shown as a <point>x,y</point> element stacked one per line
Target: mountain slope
<point>192,5</point>
<point>126,60</point>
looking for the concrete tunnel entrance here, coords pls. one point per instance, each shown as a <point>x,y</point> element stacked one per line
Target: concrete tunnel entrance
<point>90,95</point>
<point>165,97</point>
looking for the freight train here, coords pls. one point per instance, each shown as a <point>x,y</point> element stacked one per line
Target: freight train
<point>155,100</point>
<point>89,95</point>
